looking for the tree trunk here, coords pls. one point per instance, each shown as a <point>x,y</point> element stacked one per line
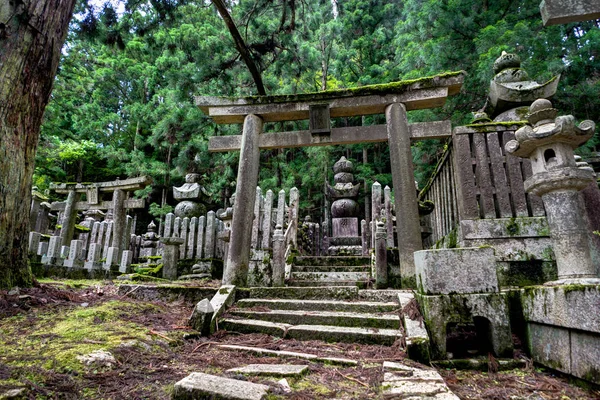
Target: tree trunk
<point>31,38</point>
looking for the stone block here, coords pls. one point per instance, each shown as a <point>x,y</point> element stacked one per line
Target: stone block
<point>223,299</point>
<point>585,356</point>
<point>465,270</point>
<point>566,306</point>
<point>549,346</point>
<point>75,259</point>
<point>271,369</point>
<point>42,248</point>
<point>498,228</point>
<point>112,258</point>
<point>203,386</point>
<point>438,311</point>
<point>34,242</point>
<point>201,317</point>
<point>126,259</point>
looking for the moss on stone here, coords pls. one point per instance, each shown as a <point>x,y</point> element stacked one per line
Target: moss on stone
<point>418,350</point>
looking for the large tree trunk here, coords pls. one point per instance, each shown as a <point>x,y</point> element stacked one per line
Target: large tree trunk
<point>32,33</point>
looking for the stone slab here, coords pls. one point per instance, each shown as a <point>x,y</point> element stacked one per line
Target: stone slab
<point>585,356</point>
<point>549,346</point>
<point>331,276</point>
<point>203,386</point>
<point>516,249</point>
<point>562,12</point>
<point>339,292</point>
<point>384,295</point>
<point>305,356</point>
<point>320,305</point>
<point>166,292</point>
<point>332,318</point>
<point>271,369</point>
<point>499,228</point>
<point>344,334</point>
<point>567,306</point>
<point>223,299</point>
<point>464,270</point>
<point>254,326</point>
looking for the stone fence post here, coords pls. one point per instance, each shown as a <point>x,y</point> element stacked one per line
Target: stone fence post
<point>278,256</point>
<point>381,273</point>
<point>170,256</point>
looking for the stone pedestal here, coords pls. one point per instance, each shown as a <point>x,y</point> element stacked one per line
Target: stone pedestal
<point>75,258</point>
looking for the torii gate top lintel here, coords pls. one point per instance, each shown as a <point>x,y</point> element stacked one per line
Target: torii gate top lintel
<point>428,92</point>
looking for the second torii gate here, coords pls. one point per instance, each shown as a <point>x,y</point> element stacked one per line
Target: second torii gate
<point>393,99</point>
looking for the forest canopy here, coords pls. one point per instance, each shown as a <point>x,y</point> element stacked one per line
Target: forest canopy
<point>122,103</point>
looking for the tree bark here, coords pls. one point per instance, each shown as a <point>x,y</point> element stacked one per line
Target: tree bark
<point>241,46</point>
<point>31,37</point>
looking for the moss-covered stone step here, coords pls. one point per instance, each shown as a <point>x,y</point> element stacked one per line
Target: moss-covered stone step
<point>331,276</point>
<point>321,305</point>
<point>310,283</point>
<point>254,326</point>
<point>332,260</point>
<point>305,293</point>
<point>166,292</point>
<point>330,333</point>
<point>335,318</point>
<point>331,268</point>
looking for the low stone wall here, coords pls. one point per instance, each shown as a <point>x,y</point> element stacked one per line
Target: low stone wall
<point>563,328</point>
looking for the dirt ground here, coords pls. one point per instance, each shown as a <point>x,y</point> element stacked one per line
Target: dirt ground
<point>45,328</point>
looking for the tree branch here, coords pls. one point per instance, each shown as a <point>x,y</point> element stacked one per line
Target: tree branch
<point>241,46</point>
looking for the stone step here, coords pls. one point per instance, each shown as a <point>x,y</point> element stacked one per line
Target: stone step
<point>331,268</point>
<point>326,333</point>
<point>334,318</point>
<point>332,260</point>
<point>331,276</point>
<point>198,385</point>
<point>330,333</point>
<point>321,305</point>
<point>254,326</point>
<point>305,293</point>
<point>302,283</point>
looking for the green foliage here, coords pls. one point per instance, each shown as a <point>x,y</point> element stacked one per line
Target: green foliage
<point>123,99</point>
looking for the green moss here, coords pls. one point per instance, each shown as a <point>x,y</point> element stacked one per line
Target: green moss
<point>418,350</point>
<point>380,89</point>
<point>150,270</point>
<point>512,227</point>
<point>484,127</point>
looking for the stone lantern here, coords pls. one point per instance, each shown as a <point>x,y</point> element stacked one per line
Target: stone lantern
<point>549,142</point>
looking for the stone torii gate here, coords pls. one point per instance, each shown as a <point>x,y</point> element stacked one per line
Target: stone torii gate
<point>94,202</point>
<point>393,100</point>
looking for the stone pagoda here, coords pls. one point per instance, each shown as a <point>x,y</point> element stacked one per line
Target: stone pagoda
<point>189,195</point>
<point>345,238</point>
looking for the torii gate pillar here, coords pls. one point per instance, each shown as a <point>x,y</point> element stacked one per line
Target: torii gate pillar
<point>238,256</point>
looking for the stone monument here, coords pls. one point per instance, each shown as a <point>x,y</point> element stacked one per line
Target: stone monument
<point>188,197</point>
<point>549,142</point>
<point>345,239</point>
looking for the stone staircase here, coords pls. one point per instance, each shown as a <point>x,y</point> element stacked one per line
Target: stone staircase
<point>331,271</point>
<point>329,313</point>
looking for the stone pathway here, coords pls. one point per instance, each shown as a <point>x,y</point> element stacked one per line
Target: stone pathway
<point>400,381</point>
<point>404,382</point>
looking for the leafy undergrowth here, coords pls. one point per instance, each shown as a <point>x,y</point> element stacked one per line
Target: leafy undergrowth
<point>44,329</point>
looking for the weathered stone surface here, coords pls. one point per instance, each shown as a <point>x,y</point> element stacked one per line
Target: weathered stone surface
<point>562,12</point>
<point>585,356</point>
<point>465,270</point>
<point>271,369</point>
<point>261,351</point>
<point>98,358</point>
<point>34,242</point>
<point>550,346</point>
<point>417,339</point>
<point>201,317</point>
<point>191,277</point>
<point>566,306</point>
<point>504,228</point>
<point>171,254</point>
<point>222,299</point>
<point>319,305</point>
<point>203,386</point>
<point>14,394</point>
<point>440,310</point>
<point>253,326</point>
<point>332,318</point>
<point>166,292</point>
<point>340,292</point>
<point>343,334</point>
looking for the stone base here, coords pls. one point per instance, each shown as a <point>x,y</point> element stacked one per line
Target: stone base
<point>47,271</point>
<point>260,268</point>
<point>491,309</point>
<point>345,250</point>
<point>464,270</point>
<point>70,263</point>
<point>345,241</point>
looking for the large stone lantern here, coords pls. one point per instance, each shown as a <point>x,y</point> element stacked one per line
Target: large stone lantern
<point>549,142</point>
